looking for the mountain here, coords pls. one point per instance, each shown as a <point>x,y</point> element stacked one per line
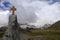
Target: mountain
<point>3,29</point>
<point>55,26</point>
<point>45,26</point>
<point>24,26</point>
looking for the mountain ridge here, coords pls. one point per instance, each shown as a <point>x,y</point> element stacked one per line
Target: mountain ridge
<point>55,26</point>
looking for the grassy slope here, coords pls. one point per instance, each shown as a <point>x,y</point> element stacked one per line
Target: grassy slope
<point>47,34</point>
<point>52,33</point>
<point>55,26</point>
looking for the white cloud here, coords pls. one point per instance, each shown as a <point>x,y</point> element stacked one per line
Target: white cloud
<point>3,18</point>
<point>36,11</point>
<point>1,3</point>
<point>48,14</point>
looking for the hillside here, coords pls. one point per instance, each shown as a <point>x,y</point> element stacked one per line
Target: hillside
<point>55,26</point>
<point>47,34</point>
<point>2,30</point>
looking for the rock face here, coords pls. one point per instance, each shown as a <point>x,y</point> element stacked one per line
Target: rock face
<point>12,32</point>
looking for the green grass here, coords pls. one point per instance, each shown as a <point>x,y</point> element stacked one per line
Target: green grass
<point>50,35</point>
<point>1,34</point>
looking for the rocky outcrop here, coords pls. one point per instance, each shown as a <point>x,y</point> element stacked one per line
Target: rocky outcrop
<point>13,30</point>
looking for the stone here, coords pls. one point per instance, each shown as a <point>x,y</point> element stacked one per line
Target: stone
<point>13,31</point>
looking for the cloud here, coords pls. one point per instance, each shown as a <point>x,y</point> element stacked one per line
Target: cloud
<point>4,5</point>
<point>30,9</point>
<point>25,14</point>
<point>37,12</point>
<point>4,17</point>
<point>48,14</point>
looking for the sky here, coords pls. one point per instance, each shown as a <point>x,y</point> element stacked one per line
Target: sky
<point>36,12</point>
